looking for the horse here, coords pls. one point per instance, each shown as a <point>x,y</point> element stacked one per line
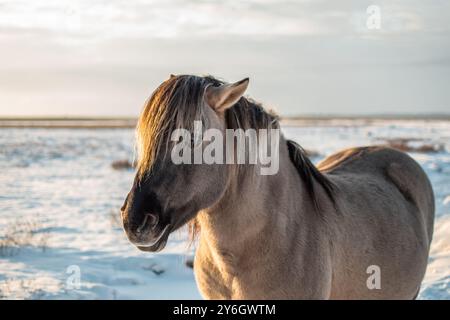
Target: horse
<point>356,226</point>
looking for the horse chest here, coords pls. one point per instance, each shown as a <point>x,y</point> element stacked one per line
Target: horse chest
<point>211,281</point>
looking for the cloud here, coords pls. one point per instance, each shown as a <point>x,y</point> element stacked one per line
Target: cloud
<point>77,57</point>
<point>186,18</point>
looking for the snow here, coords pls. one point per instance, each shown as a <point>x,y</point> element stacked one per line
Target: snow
<point>60,196</point>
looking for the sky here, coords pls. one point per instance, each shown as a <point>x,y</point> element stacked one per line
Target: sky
<point>304,57</point>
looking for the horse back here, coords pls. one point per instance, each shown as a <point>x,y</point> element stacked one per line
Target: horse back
<point>389,164</point>
<point>387,201</point>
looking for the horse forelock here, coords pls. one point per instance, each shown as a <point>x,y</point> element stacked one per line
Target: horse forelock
<point>176,104</point>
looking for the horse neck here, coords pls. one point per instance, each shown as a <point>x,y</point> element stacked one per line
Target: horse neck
<point>257,209</point>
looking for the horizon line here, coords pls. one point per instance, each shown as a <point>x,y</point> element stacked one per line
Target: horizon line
<point>79,122</point>
<point>306,116</point>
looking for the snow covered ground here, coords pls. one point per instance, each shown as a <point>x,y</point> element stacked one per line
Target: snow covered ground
<point>59,199</point>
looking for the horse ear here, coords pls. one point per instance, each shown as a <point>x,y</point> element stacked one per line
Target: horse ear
<point>172,76</point>
<point>226,95</point>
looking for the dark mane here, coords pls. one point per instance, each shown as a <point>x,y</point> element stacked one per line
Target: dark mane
<point>248,113</point>
<point>309,172</point>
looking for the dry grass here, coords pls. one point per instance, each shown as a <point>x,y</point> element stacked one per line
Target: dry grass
<point>123,165</point>
<point>23,289</point>
<point>414,145</point>
<point>11,285</point>
<point>21,234</point>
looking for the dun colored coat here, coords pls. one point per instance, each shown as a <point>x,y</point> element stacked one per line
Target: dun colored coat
<point>359,226</point>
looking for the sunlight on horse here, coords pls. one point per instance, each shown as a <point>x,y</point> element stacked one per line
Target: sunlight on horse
<point>304,232</point>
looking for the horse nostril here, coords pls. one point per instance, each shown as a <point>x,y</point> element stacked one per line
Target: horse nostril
<point>150,220</point>
<point>153,219</point>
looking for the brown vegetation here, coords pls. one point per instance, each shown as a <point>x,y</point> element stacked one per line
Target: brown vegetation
<point>414,145</point>
<point>123,165</point>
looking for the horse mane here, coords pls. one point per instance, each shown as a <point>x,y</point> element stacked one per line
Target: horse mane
<point>309,173</point>
<point>247,113</point>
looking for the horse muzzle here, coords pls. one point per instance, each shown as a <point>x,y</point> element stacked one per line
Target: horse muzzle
<point>150,234</point>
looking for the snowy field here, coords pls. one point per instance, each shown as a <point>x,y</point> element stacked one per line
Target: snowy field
<point>60,198</point>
